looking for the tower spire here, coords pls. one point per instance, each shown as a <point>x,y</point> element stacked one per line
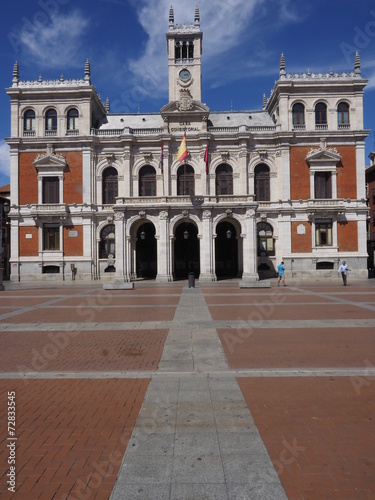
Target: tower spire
<point>357,64</point>
<point>171,16</point>
<point>282,64</point>
<point>196,16</point>
<point>15,72</point>
<point>264,101</point>
<point>87,71</point>
<point>107,106</point>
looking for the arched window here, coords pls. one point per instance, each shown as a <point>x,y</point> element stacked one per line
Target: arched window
<point>298,113</point>
<point>320,114</point>
<point>262,182</point>
<point>73,119</point>
<point>185,180</point>
<point>177,51</point>
<point>51,121</point>
<point>184,50</point>
<point>107,242</point>
<point>147,181</point>
<point>29,121</point>
<point>110,186</point>
<point>191,50</point>
<point>266,244</point>
<point>224,180</point>
<point>343,114</point>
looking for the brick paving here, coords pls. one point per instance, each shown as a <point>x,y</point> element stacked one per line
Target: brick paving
<point>309,347</point>
<point>319,433</point>
<point>72,432</point>
<point>71,435</point>
<point>81,351</point>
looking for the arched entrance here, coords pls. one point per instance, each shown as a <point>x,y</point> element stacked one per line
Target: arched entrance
<point>186,251</point>
<point>226,251</point>
<point>146,252</point>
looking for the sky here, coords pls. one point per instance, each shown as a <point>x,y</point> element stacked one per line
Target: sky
<point>125,43</point>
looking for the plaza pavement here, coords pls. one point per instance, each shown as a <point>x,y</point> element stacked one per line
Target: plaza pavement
<point>165,392</point>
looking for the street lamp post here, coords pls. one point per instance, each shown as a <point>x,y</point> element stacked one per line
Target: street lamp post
<point>4,209</point>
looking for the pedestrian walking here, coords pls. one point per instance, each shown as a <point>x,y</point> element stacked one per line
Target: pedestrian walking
<point>343,270</point>
<point>281,273</point>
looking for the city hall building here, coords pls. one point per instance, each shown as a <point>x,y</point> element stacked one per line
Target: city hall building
<point>101,195</point>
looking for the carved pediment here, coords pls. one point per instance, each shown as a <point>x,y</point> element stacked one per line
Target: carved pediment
<point>50,162</point>
<point>323,155</point>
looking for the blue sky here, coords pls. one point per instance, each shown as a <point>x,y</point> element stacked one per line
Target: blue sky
<point>125,43</point>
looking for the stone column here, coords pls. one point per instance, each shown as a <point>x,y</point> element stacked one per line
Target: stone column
<point>206,250</point>
<point>120,247</point>
<point>163,249</point>
<point>250,248</point>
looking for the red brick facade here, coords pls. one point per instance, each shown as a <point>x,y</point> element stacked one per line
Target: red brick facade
<point>300,173</point>
<point>28,247</point>
<point>73,178</point>
<point>301,243</point>
<point>347,236</point>
<point>73,246</point>
<point>28,178</point>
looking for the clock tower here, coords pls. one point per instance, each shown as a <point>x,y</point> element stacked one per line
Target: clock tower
<point>184,59</point>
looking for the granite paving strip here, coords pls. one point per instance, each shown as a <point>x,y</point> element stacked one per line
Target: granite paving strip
<point>187,439</point>
<point>236,324</point>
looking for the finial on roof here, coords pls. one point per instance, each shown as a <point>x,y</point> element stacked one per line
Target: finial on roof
<point>87,70</point>
<point>171,16</point>
<point>107,107</point>
<point>196,16</point>
<point>61,78</point>
<point>282,64</point>
<point>264,101</point>
<point>15,72</point>
<point>357,64</point>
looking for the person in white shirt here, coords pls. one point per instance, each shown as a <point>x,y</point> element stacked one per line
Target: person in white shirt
<point>343,269</point>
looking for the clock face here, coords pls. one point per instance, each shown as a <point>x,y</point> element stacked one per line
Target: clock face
<point>184,74</point>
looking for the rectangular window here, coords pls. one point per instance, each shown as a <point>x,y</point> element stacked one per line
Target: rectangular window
<point>51,237</point>
<point>323,233</point>
<point>323,188</point>
<point>51,192</point>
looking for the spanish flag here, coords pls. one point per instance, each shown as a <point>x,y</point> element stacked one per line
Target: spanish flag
<point>182,151</point>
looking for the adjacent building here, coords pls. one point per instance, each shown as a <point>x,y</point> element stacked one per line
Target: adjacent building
<point>102,195</point>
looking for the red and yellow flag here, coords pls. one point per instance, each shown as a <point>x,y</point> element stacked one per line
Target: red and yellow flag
<point>182,151</point>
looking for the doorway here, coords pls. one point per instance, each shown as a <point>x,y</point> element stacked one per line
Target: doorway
<point>226,251</point>
<point>186,251</point>
<point>146,252</point>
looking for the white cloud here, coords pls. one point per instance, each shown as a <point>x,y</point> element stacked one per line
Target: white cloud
<point>4,158</point>
<point>227,25</point>
<point>220,20</point>
<point>55,45</point>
